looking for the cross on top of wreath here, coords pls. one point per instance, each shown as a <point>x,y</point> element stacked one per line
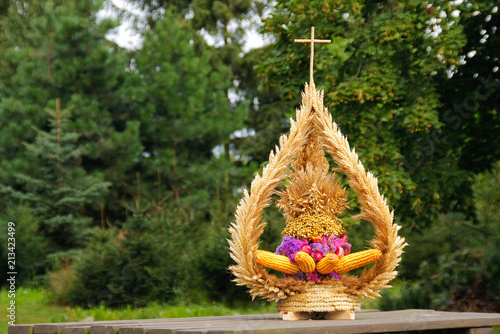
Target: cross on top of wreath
<point>312,41</point>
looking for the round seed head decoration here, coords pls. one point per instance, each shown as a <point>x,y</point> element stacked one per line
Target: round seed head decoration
<point>313,226</point>
<point>315,255</point>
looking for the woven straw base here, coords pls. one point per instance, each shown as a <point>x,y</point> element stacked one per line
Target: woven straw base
<point>320,298</point>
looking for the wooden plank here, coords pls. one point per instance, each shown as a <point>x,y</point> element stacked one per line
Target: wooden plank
<point>101,330</point>
<point>177,323</point>
<point>396,321</point>
<point>404,323</point>
<point>21,329</point>
<point>168,327</point>
<point>76,330</point>
<point>195,328</point>
<point>48,329</point>
<point>111,322</point>
<point>28,328</point>
<point>227,324</point>
<point>365,322</point>
<point>131,331</point>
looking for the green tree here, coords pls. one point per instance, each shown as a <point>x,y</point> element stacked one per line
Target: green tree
<point>460,271</point>
<point>31,246</point>
<point>268,112</point>
<point>380,80</point>
<point>469,111</point>
<point>59,190</point>
<point>221,19</point>
<point>465,144</point>
<point>58,49</point>
<point>186,118</point>
<point>144,261</point>
<point>471,96</point>
<point>180,101</point>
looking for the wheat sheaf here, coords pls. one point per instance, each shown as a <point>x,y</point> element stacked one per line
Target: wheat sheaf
<point>312,117</point>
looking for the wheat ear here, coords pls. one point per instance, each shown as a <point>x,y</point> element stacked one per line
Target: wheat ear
<point>375,210</point>
<point>248,227</point>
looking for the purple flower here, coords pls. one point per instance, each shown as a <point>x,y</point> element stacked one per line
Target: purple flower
<point>289,246</point>
<point>334,274</point>
<point>299,276</point>
<point>318,247</point>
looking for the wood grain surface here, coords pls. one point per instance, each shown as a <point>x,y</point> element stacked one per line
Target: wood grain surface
<point>366,322</point>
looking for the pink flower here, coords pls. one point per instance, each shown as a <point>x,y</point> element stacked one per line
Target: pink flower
<point>313,276</point>
<point>340,252</point>
<point>306,249</point>
<point>318,256</point>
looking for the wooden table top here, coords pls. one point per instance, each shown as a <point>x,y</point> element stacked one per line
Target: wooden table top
<point>368,321</point>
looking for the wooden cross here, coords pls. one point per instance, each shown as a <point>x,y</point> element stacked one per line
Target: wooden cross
<point>312,41</point>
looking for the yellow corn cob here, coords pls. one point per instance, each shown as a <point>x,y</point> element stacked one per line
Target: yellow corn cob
<point>326,264</point>
<point>355,260</point>
<point>276,262</point>
<point>305,261</point>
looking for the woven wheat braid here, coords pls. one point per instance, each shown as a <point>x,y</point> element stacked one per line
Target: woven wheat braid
<point>375,211</point>
<point>245,232</point>
<point>248,226</point>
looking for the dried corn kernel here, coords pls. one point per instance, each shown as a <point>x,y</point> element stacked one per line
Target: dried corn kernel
<point>327,264</point>
<point>276,262</point>
<point>305,261</point>
<point>355,260</point>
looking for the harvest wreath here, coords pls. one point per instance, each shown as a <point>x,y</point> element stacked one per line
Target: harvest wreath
<point>314,254</point>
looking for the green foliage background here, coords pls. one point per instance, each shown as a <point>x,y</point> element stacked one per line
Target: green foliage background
<point>122,168</point>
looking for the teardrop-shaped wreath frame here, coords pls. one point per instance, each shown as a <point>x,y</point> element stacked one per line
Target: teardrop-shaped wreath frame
<point>249,226</point>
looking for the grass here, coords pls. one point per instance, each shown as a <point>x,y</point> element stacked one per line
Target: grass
<point>32,306</point>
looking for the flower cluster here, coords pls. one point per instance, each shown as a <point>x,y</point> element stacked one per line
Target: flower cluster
<point>317,248</point>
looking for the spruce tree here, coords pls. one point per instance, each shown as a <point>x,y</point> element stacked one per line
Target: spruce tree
<point>59,190</point>
<point>58,49</point>
<point>185,115</point>
<point>225,23</point>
